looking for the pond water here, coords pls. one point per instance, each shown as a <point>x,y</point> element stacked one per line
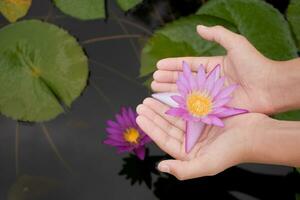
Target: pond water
<point>65,158</point>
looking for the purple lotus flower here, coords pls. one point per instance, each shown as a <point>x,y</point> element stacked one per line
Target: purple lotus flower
<point>201,100</point>
<point>125,134</point>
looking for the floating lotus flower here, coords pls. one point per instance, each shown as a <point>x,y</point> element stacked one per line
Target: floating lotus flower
<point>126,135</point>
<point>201,100</point>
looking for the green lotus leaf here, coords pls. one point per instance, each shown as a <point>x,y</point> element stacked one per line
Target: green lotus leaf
<point>290,116</point>
<point>128,4</point>
<point>82,9</point>
<point>152,53</point>
<point>293,16</point>
<point>41,67</point>
<point>180,38</point>
<point>257,20</point>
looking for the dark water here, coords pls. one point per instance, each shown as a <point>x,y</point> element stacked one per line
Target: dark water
<point>64,158</point>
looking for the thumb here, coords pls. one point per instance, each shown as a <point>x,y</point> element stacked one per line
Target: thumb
<point>221,35</point>
<point>182,170</point>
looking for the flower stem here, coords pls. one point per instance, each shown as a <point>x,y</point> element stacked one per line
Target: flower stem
<point>117,72</point>
<point>113,37</point>
<point>54,148</point>
<point>148,32</point>
<point>17,143</point>
<point>133,45</point>
<point>101,93</point>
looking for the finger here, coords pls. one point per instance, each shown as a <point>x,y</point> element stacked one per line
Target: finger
<point>184,170</point>
<point>161,109</point>
<point>221,35</point>
<point>173,131</point>
<point>167,143</point>
<point>166,76</point>
<point>163,87</point>
<point>175,64</point>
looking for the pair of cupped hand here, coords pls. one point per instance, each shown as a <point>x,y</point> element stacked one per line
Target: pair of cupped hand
<point>218,148</point>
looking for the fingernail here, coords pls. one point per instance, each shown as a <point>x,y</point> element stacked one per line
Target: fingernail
<point>164,168</point>
<point>159,63</point>
<point>137,120</point>
<point>202,27</point>
<point>138,108</point>
<point>155,75</point>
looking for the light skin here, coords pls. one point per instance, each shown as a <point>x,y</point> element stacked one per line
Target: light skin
<point>266,86</point>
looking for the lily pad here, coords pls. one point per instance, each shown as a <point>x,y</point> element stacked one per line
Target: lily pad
<point>262,24</point>
<point>293,16</point>
<point>289,116</point>
<point>82,9</point>
<point>41,67</point>
<point>180,38</point>
<point>12,10</point>
<point>128,4</point>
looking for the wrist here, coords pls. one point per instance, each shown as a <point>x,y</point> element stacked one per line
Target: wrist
<point>253,137</point>
<point>257,146</point>
<point>275,142</point>
<point>283,93</point>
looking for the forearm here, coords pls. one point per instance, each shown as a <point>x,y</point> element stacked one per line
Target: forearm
<point>284,88</point>
<point>277,142</point>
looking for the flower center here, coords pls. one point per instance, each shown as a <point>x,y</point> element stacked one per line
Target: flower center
<point>198,104</point>
<point>131,135</point>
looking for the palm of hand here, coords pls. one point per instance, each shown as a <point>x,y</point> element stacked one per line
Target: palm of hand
<point>246,67</point>
<point>243,65</point>
<point>217,149</point>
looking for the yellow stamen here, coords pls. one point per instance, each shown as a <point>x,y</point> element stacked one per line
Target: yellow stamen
<point>198,104</point>
<point>131,135</point>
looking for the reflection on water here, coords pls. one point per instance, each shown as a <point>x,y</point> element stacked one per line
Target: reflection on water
<point>36,159</point>
<point>222,186</point>
<point>139,171</point>
<point>232,180</point>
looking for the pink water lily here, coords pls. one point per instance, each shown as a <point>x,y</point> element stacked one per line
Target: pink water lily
<point>202,99</point>
<point>126,135</point>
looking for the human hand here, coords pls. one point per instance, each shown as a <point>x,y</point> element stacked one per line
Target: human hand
<point>217,149</point>
<point>242,65</point>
